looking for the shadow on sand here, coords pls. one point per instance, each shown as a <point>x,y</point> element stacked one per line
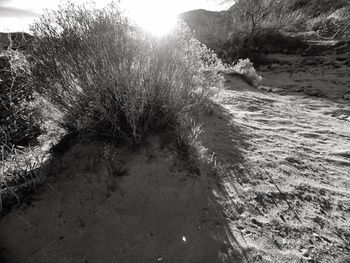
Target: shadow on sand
<point>227,142</point>
<point>139,206</point>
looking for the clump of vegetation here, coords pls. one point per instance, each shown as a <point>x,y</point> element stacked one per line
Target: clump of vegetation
<point>266,40</point>
<point>15,40</point>
<point>251,16</point>
<point>246,70</point>
<point>19,123</point>
<point>109,77</point>
<point>259,26</point>
<point>267,26</point>
<point>315,8</point>
<point>331,25</point>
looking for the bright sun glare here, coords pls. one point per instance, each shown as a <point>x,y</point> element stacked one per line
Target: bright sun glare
<point>154,16</point>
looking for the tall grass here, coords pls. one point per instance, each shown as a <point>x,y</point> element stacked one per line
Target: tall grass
<point>109,77</point>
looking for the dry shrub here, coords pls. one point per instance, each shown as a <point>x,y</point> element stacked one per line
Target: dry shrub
<point>245,69</point>
<point>19,123</point>
<point>267,26</point>
<point>315,8</point>
<point>258,28</point>
<point>281,19</point>
<point>109,77</point>
<point>266,40</point>
<point>334,25</point>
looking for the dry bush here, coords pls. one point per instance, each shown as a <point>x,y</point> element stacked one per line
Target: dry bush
<point>19,123</point>
<point>14,40</point>
<point>333,25</point>
<point>109,77</point>
<point>246,70</point>
<point>270,25</point>
<point>249,15</point>
<point>258,28</point>
<point>267,40</point>
<point>329,19</point>
<point>315,8</point>
<point>280,19</point>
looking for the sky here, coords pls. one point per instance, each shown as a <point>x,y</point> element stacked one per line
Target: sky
<point>155,16</point>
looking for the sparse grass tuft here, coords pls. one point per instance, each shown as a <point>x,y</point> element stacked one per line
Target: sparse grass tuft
<point>19,166</point>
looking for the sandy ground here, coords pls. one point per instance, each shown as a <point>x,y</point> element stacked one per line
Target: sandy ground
<point>280,190</point>
<point>324,75</point>
<point>115,205</point>
<point>285,172</point>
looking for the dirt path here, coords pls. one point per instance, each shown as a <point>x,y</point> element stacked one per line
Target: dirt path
<point>285,168</point>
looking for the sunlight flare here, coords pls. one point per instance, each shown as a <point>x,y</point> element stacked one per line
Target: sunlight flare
<point>155,16</point>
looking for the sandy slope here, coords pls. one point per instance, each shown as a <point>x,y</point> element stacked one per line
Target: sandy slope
<point>285,172</point>
<point>128,206</point>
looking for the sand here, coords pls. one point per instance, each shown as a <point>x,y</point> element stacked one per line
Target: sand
<point>278,191</point>
<point>285,168</point>
<point>131,207</point>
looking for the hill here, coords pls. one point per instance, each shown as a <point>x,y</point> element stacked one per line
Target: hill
<point>269,26</point>
<point>211,27</point>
